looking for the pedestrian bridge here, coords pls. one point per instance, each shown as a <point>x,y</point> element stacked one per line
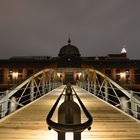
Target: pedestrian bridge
<point>97,92</point>
<point>29,122</point>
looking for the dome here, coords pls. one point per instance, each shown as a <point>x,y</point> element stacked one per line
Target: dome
<point>69,50</point>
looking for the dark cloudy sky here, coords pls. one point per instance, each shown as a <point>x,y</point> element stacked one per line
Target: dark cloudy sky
<point>42,27</point>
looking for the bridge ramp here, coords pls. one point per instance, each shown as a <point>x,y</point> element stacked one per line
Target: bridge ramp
<point>29,123</point>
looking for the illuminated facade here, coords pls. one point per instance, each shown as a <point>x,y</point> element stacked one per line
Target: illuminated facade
<point>117,66</point>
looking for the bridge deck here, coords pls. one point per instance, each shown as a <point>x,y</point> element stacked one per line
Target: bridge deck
<point>29,123</point>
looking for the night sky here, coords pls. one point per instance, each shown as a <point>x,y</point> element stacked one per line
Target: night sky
<point>42,27</point>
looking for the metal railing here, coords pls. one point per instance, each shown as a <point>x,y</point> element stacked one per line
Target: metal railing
<point>105,88</point>
<point>95,82</point>
<point>32,88</point>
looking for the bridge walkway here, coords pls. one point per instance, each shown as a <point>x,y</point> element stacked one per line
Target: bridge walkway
<point>29,123</point>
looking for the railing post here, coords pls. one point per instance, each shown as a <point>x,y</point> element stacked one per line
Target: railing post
<point>95,84</point>
<point>85,85</point>
<point>53,86</point>
<point>4,104</point>
<point>80,84</point>
<point>43,83</point>
<point>32,90</point>
<point>50,84</point>
<point>88,82</point>
<point>106,90</point>
<point>133,105</point>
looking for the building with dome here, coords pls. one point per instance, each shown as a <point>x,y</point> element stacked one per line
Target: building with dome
<point>69,56</point>
<point>69,50</point>
<point>118,66</point>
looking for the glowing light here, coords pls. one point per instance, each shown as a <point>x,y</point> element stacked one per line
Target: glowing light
<point>122,75</point>
<point>124,50</point>
<point>15,75</point>
<point>79,74</point>
<point>58,74</point>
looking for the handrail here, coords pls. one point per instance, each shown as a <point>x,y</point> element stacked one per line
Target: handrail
<point>113,82</point>
<point>109,90</point>
<point>12,92</point>
<point>27,91</point>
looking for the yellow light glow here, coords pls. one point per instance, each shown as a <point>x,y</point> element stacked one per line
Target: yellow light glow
<point>79,74</point>
<point>58,74</point>
<point>15,75</point>
<point>122,75</point>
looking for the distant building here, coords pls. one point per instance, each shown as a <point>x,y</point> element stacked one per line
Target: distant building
<point>120,68</point>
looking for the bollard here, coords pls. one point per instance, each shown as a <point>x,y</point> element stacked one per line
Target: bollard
<point>69,113</point>
<point>69,116</point>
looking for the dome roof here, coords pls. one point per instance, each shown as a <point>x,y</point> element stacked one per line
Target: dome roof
<point>69,50</point>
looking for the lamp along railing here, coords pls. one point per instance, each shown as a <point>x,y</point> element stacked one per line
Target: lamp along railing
<point>105,88</point>
<point>32,88</point>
